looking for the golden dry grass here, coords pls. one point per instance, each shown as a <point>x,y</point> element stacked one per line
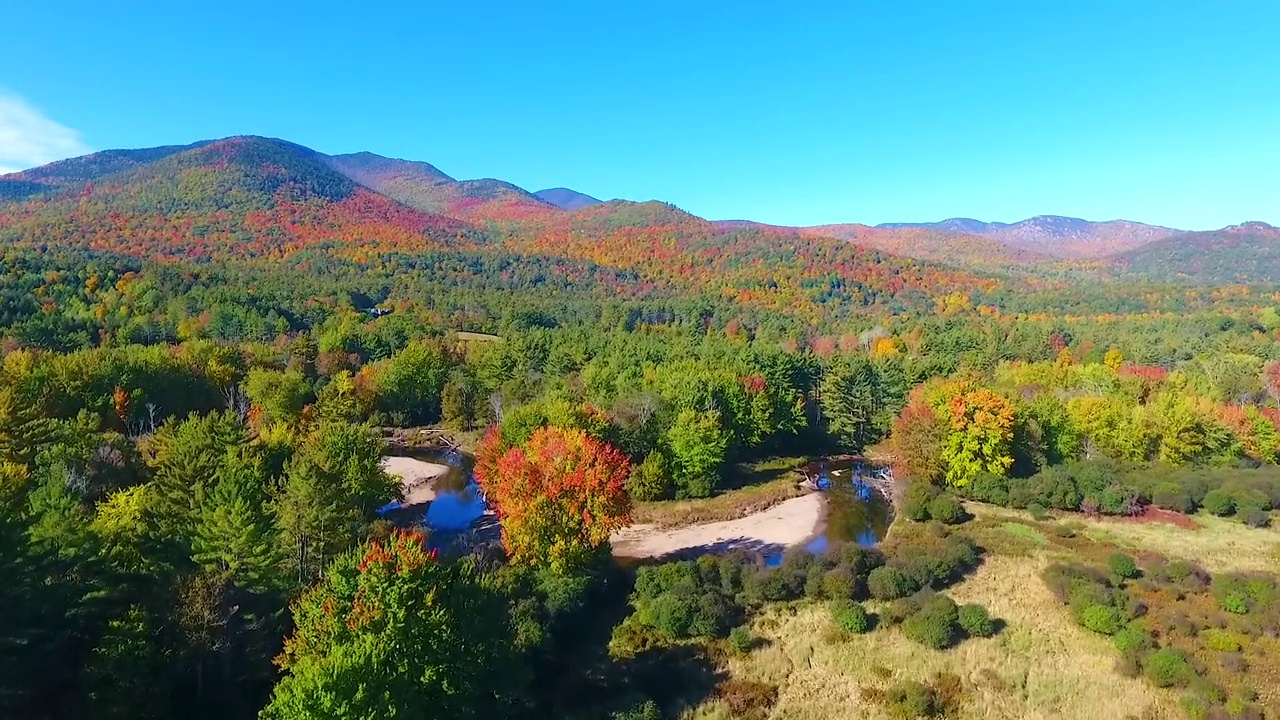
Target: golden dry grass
<point>1040,666</point>
<point>1220,545</point>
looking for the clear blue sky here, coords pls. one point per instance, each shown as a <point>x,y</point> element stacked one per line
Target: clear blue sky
<point>1163,111</point>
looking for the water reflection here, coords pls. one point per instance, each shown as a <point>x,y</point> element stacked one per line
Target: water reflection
<point>458,502</point>
<point>856,511</point>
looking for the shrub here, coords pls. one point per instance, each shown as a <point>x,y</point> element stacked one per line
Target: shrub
<point>647,710</point>
<point>1255,518</point>
<point>740,640</point>
<point>1168,667</point>
<point>1219,502</point>
<point>910,699</point>
<point>1170,496</point>
<point>850,616</point>
<point>1123,566</point>
<point>976,621</point>
<point>1187,574</point>
<point>747,696</point>
<point>935,624</point>
<point>899,610</point>
<point>1249,499</point>
<point>1129,665</point>
<point>988,488</point>
<point>917,500</point>
<point>1234,663</point>
<point>1102,619</point>
<point>650,480</point>
<point>947,510</point>
<point>1051,488</point>
<point>1234,603</point>
<point>841,583</point>
<point>890,583</point>
<point>1133,640</point>
<point>1038,512</point>
<point>1120,500</point>
<point>1222,640</point>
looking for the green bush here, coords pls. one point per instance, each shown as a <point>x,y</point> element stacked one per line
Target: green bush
<point>976,621</point>
<point>916,501</point>
<point>1221,640</point>
<point>1052,487</point>
<point>899,610</point>
<point>1038,512</point>
<point>1120,500</point>
<point>988,488</point>
<point>741,641</point>
<point>909,699</point>
<point>1249,499</point>
<point>1133,640</point>
<point>1170,496</point>
<point>947,510</point>
<point>841,583</point>
<point>1102,619</point>
<point>1219,502</point>
<point>850,616</point>
<point>890,583</point>
<point>1256,518</point>
<point>935,624</point>
<point>650,480</point>
<point>1168,667</point>
<point>1123,566</point>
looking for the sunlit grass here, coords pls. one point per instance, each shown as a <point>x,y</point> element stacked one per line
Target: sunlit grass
<point>1041,666</point>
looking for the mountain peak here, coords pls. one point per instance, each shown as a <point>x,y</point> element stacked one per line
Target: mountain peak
<point>566,198</point>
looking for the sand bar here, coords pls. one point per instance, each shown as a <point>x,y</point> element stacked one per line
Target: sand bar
<point>417,477</point>
<point>788,523</point>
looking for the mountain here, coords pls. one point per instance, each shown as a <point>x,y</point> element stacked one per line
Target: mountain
<point>80,170</point>
<point>1055,235</point>
<point>236,197</point>
<point>423,187</point>
<point>948,244</point>
<point>566,198</point>
<point>263,200</point>
<point>1239,254</point>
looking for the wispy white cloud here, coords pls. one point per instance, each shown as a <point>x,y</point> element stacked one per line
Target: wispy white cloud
<point>29,139</point>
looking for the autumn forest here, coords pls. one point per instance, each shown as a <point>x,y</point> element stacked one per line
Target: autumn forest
<point>206,349</point>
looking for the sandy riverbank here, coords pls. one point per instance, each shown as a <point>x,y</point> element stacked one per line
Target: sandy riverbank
<point>417,477</point>
<point>790,522</point>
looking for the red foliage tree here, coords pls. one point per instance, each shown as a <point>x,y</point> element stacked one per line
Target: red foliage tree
<point>559,496</point>
<point>918,440</point>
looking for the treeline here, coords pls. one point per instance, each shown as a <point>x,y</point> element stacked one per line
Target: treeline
<point>1085,435</point>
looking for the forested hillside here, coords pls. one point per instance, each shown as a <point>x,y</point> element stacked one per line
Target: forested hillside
<point>203,350</point>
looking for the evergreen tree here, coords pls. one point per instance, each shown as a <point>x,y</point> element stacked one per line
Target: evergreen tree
<point>234,533</point>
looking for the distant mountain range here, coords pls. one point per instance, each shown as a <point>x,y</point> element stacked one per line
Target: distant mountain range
<point>216,197</point>
<point>1245,253</point>
<point>1055,235</point>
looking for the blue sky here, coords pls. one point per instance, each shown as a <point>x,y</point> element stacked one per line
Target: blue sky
<point>791,113</point>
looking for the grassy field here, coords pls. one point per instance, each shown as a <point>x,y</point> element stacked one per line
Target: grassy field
<point>751,488</point>
<point>1041,665</point>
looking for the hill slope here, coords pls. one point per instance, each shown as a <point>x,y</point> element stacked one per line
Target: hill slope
<point>1246,253</point>
<point>237,197</point>
<point>566,198</point>
<point>423,187</point>
<point>952,247</point>
<point>1055,235</point>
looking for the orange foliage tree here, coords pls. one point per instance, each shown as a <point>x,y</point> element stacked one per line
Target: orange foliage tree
<point>981,436</point>
<point>559,495</point>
